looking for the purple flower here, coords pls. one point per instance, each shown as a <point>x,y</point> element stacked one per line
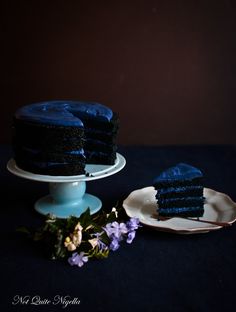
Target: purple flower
<point>130,237</point>
<point>132,224</point>
<point>101,245</point>
<point>78,259</point>
<point>116,230</point>
<point>114,245</point>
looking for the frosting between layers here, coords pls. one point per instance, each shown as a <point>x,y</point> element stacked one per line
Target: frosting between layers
<point>34,151</point>
<point>64,113</point>
<point>179,190</point>
<point>180,201</point>
<point>181,210</point>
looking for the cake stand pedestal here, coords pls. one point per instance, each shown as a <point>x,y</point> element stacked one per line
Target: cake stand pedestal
<point>67,195</point>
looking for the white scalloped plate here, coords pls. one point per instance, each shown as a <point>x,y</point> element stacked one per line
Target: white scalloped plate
<point>219,211</point>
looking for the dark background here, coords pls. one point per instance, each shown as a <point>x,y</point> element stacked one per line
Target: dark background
<point>167,67</point>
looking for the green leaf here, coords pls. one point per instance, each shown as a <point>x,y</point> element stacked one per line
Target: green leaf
<point>98,254</point>
<point>85,218</point>
<point>24,230</point>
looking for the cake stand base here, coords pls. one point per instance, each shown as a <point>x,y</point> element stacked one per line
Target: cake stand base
<point>46,205</point>
<point>68,199</point>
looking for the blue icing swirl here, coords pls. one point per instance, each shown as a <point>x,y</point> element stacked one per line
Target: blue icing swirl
<point>64,113</point>
<point>179,173</point>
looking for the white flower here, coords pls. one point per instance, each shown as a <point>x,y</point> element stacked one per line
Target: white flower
<point>93,242</point>
<point>115,211</point>
<point>78,227</point>
<point>72,242</point>
<point>77,235</point>
<point>69,244</point>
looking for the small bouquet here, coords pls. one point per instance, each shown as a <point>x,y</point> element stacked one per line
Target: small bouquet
<point>86,237</point>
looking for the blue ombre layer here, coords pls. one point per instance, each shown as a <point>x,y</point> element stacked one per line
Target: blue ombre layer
<point>64,113</point>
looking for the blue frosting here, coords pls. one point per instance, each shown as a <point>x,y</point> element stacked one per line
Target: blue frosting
<point>76,152</point>
<point>179,189</point>
<point>90,154</point>
<point>173,201</point>
<point>179,172</point>
<point>34,151</point>
<point>180,210</point>
<point>64,113</point>
<point>43,164</point>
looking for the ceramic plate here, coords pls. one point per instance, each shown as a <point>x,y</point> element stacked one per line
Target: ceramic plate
<point>219,211</point>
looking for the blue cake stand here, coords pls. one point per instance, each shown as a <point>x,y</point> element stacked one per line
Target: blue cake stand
<point>67,196</point>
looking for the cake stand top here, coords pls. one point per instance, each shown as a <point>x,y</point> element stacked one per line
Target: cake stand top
<point>94,172</point>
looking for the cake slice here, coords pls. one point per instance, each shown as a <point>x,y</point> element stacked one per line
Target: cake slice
<point>180,192</point>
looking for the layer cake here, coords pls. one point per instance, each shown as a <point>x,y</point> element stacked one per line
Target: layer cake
<point>61,137</point>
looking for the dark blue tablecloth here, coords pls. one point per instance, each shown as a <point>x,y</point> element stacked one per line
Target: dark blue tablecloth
<point>157,272</point>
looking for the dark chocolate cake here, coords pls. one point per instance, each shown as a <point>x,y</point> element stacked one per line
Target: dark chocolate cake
<point>180,192</point>
<point>61,137</point>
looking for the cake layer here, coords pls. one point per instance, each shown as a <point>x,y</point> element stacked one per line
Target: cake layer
<point>180,202</point>
<point>52,168</point>
<point>107,136</point>
<point>181,212</point>
<point>173,192</point>
<point>94,157</point>
<point>47,137</point>
<point>25,153</point>
<point>175,183</point>
<point>99,145</point>
<point>111,125</point>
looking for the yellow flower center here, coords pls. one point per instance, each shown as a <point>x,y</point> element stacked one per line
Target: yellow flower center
<point>67,240</point>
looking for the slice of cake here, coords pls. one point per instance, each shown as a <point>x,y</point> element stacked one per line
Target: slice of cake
<point>180,192</point>
<point>61,137</point>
